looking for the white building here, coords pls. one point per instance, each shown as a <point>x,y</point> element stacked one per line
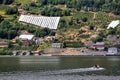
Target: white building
<point>112,51</point>
<point>26,36</point>
<point>57,45</point>
<point>113,24</point>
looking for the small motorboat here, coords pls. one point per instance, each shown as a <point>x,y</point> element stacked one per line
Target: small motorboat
<point>96,66</point>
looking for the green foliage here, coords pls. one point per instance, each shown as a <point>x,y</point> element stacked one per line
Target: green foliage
<point>102,34</point>
<point>84,36</point>
<point>98,39</point>
<point>22,1</point>
<point>84,19</point>
<point>46,45</point>
<point>63,23</point>
<point>112,31</point>
<point>81,31</point>
<point>118,31</point>
<point>81,15</point>
<point>87,5</point>
<point>44,2</point>
<point>7,31</point>
<point>73,44</point>
<point>11,10</point>
<point>1,18</point>
<point>54,11</point>
<point>91,27</point>
<point>5,51</point>
<point>6,1</point>
<point>26,7</point>
<point>44,32</point>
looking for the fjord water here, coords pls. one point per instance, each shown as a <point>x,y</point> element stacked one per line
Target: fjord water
<point>59,68</point>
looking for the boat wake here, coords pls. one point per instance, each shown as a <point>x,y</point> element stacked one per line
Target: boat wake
<point>73,70</point>
<point>54,72</point>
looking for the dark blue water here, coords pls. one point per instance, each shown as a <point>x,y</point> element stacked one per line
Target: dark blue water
<point>59,68</point>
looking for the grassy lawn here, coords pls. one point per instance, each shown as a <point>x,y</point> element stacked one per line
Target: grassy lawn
<point>67,18</point>
<point>44,46</point>
<point>23,1</point>
<point>81,15</point>
<point>2,13</point>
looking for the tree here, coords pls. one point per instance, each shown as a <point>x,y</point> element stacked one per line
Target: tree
<point>11,10</point>
<point>71,22</point>
<point>44,2</point>
<point>8,1</point>
<point>118,31</point>
<point>91,27</point>
<point>111,31</point>
<point>66,12</point>
<point>62,23</point>
<point>84,19</point>
<point>98,39</point>
<point>1,18</point>
<point>1,1</point>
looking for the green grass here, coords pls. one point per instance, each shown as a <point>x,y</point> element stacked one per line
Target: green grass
<point>2,13</point>
<point>3,7</point>
<point>81,15</point>
<point>44,46</point>
<point>23,1</point>
<point>67,18</point>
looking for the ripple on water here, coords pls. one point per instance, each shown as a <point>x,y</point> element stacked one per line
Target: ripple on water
<point>56,77</point>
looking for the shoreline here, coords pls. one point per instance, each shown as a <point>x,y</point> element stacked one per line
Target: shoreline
<point>57,55</point>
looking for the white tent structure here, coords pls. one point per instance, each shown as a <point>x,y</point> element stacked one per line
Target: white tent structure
<point>49,22</point>
<point>113,24</point>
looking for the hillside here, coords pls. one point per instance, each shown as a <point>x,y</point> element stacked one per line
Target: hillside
<point>84,22</point>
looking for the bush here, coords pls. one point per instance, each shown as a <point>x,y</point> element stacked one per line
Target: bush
<point>84,19</point>
<point>12,10</point>
<point>84,36</point>
<point>1,18</point>
<point>6,1</point>
<point>98,39</point>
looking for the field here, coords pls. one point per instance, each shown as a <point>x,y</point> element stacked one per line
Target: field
<point>81,15</point>
<point>23,1</point>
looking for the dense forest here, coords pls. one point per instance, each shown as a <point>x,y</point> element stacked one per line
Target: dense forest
<point>88,5</point>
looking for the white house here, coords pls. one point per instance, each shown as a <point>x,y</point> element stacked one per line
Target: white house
<point>57,45</point>
<point>112,51</point>
<point>113,24</point>
<point>26,36</point>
